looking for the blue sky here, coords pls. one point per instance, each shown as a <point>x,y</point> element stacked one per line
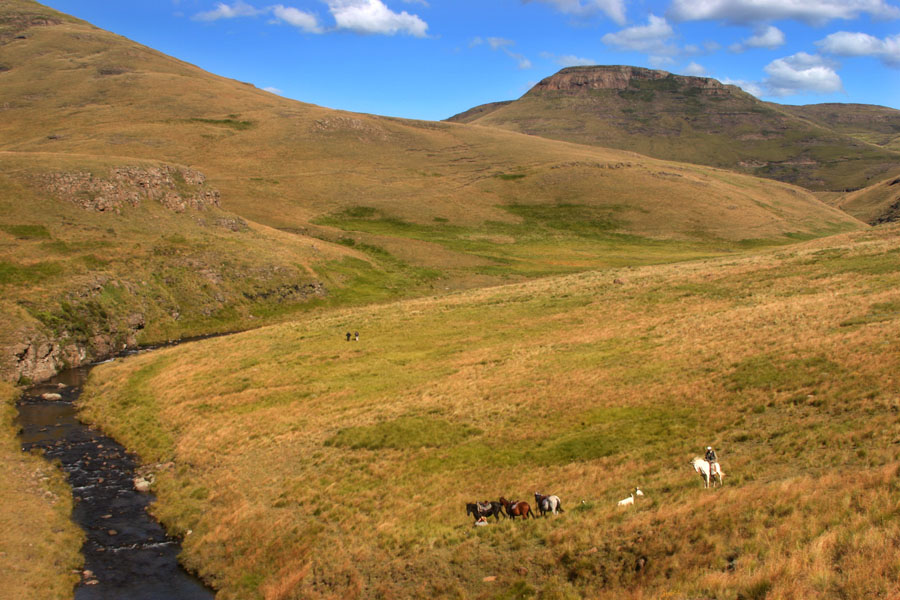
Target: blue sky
<point>430,59</point>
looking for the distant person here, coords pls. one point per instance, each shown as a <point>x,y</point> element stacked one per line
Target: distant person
<point>712,459</point>
<point>348,336</point>
<point>356,336</point>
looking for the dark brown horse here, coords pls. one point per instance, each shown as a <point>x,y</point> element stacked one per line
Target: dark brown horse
<point>517,509</point>
<point>485,509</point>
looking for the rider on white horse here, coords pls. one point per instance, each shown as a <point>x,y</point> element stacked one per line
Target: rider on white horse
<point>713,461</point>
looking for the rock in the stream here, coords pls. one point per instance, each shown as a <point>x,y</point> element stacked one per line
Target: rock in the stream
<point>51,396</point>
<point>141,484</point>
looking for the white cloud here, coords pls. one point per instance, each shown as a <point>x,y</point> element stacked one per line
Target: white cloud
<point>765,37</point>
<point>695,70</point>
<point>496,43</point>
<point>239,8</point>
<point>273,90</point>
<point>801,73</point>
<point>815,12</point>
<point>503,44</point>
<point>372,16</point>
<point>845,43</point>
<point>614,9</point>
<point>568,60</point>
<point>658,62</point>
<point>299,19</point>
<point>651,38</point>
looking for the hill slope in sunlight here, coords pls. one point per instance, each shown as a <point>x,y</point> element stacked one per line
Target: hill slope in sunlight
<point>313,467</point>
<point>700,120</point>
<point>107,144</point>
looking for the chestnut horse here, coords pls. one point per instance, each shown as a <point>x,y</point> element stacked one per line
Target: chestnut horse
<point>517,509</point>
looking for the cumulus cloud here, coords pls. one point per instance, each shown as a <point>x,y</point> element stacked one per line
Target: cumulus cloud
<point>614,9</point>
<point>814,12</point>
<point>568,60</point>
<point>765,37</point>
<point>801,73</point>
<point>229,11</point>
<point>845,43</point>
<point>694,69</point>
<point>651,38</point>
<point>297,18</point>
<point>374,17</point>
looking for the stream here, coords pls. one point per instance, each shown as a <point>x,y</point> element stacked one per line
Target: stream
<point>127,554</point>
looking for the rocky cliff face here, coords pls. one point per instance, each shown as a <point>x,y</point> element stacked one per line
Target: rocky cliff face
<point>177,189</point>
<point>620,77</point>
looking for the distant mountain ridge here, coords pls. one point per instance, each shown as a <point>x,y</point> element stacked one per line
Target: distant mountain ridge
<point>703,121</point>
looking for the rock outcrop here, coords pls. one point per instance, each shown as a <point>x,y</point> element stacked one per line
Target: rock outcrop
<point>621,77</point>
<point>178,189</point>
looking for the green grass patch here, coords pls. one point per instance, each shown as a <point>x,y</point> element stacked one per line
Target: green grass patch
<point>230,123</point>
<point>405,432</point>
<point>776,373</point>
<point>27,232</point>
<point>35,273</point>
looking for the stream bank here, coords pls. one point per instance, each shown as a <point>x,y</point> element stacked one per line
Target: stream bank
<point>127,554</point>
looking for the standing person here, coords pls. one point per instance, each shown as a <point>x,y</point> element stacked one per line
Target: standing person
<point>356,336</point>
<point>348,336</point>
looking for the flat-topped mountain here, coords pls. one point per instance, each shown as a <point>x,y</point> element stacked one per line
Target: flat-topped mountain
<point>622,77</point>
<point>703,121</point>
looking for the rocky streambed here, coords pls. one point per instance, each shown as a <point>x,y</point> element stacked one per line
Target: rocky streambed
<point>127,554</point>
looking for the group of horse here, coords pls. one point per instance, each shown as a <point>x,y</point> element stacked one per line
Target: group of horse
<point>480,511</point>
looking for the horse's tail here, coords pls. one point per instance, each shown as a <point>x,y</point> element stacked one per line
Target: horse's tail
<point>559,506</point>
<point>530,512</point>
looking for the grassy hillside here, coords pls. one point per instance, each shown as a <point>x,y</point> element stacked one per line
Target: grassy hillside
<point>311,205</point>
<point>699,120</point>
<point>876,204</point>
<point>313,467</point>
<point>39,544</point>
<point>878,125</point>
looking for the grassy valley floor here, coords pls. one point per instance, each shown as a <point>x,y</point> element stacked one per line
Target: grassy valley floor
<point>309,466</point>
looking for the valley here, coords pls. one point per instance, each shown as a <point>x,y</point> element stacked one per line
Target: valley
<point>572,293</point>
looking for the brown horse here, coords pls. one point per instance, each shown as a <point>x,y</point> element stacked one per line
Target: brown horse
<point>517,509</point>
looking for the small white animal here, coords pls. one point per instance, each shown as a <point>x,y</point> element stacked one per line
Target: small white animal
<point>638,492</point>
<point>627,501</point>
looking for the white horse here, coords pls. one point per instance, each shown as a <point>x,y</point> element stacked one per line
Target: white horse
<point>551,504</point>
<point>701,466</point>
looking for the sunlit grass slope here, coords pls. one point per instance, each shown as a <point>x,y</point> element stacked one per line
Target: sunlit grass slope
<point>95,280</point>
<point>878,203</point>
<point>688,119</point>
<point>878,125</point>
<point>38,541</point>
<point>362,208</point>
<point>71,88</point>
<point>309,466</point>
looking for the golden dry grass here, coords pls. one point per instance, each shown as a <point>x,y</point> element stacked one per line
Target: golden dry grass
<point>372,208</point>
<point>39,544</point>
<point>313,467</point>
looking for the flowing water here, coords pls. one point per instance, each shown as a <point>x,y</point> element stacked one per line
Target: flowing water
<point>127,554</point>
